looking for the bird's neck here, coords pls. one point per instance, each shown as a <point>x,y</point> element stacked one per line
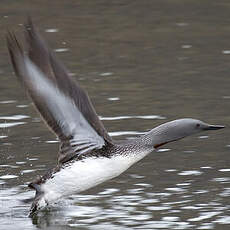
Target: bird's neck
<point>159,136</point>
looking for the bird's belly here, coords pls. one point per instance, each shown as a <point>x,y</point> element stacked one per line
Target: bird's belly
<point>84,174</point>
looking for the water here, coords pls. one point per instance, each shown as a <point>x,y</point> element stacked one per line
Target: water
<point>143,63</point>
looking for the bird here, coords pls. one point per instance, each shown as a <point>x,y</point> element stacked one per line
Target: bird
<point>88,156</point>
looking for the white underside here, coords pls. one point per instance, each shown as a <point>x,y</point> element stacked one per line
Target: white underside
<point>86,174</point>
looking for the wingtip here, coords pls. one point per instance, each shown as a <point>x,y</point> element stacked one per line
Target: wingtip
<point>9,39</point>
<point>30,31</point>
<point>16,53</point>
<point>13,43</point>
<point>13,47</point>
<point>29,23</point>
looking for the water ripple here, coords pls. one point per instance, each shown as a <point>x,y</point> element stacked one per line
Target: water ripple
<point>131,117</point>
<point>123,133</point>
<point>11,124</point>
<point>52,30</point>
<point>14,117</point>
<point>7,102</point>
<point>204,216</point>
<point>190,172</point>
<point>6,177</point>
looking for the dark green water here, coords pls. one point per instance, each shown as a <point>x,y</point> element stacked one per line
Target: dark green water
<point>143,63</point>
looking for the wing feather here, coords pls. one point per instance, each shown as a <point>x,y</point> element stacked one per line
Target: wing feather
<point>63,104</point>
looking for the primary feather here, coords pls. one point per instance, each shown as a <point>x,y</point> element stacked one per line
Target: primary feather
<point>65,107</point>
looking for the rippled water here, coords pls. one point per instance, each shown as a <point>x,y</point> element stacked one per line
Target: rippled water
<point>143,63</point>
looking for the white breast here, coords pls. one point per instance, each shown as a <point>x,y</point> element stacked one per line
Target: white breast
<point>82,175</point>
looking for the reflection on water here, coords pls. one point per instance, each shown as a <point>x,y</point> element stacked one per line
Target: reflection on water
<point>141,205</point>
<point>143,63</point>
<point>138,200</point>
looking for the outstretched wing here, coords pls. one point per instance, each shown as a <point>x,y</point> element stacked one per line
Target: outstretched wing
<point>63,104</point>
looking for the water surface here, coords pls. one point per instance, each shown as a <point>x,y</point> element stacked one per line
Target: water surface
<point>143,63</point>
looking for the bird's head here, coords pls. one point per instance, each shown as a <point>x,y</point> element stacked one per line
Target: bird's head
<point>177,129</point>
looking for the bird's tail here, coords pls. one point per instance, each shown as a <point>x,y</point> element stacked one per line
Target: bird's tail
<point>38,201</point>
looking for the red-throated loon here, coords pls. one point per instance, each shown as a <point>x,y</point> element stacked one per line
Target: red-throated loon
<point>88,156</point>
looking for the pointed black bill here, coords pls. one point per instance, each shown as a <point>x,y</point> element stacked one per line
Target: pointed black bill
<point>214,127</point>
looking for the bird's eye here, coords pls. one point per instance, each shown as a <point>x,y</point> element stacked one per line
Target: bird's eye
<point>197,125</point>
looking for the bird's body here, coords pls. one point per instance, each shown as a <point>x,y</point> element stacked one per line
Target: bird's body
<point>80,175</point>
<point>88,156</point>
